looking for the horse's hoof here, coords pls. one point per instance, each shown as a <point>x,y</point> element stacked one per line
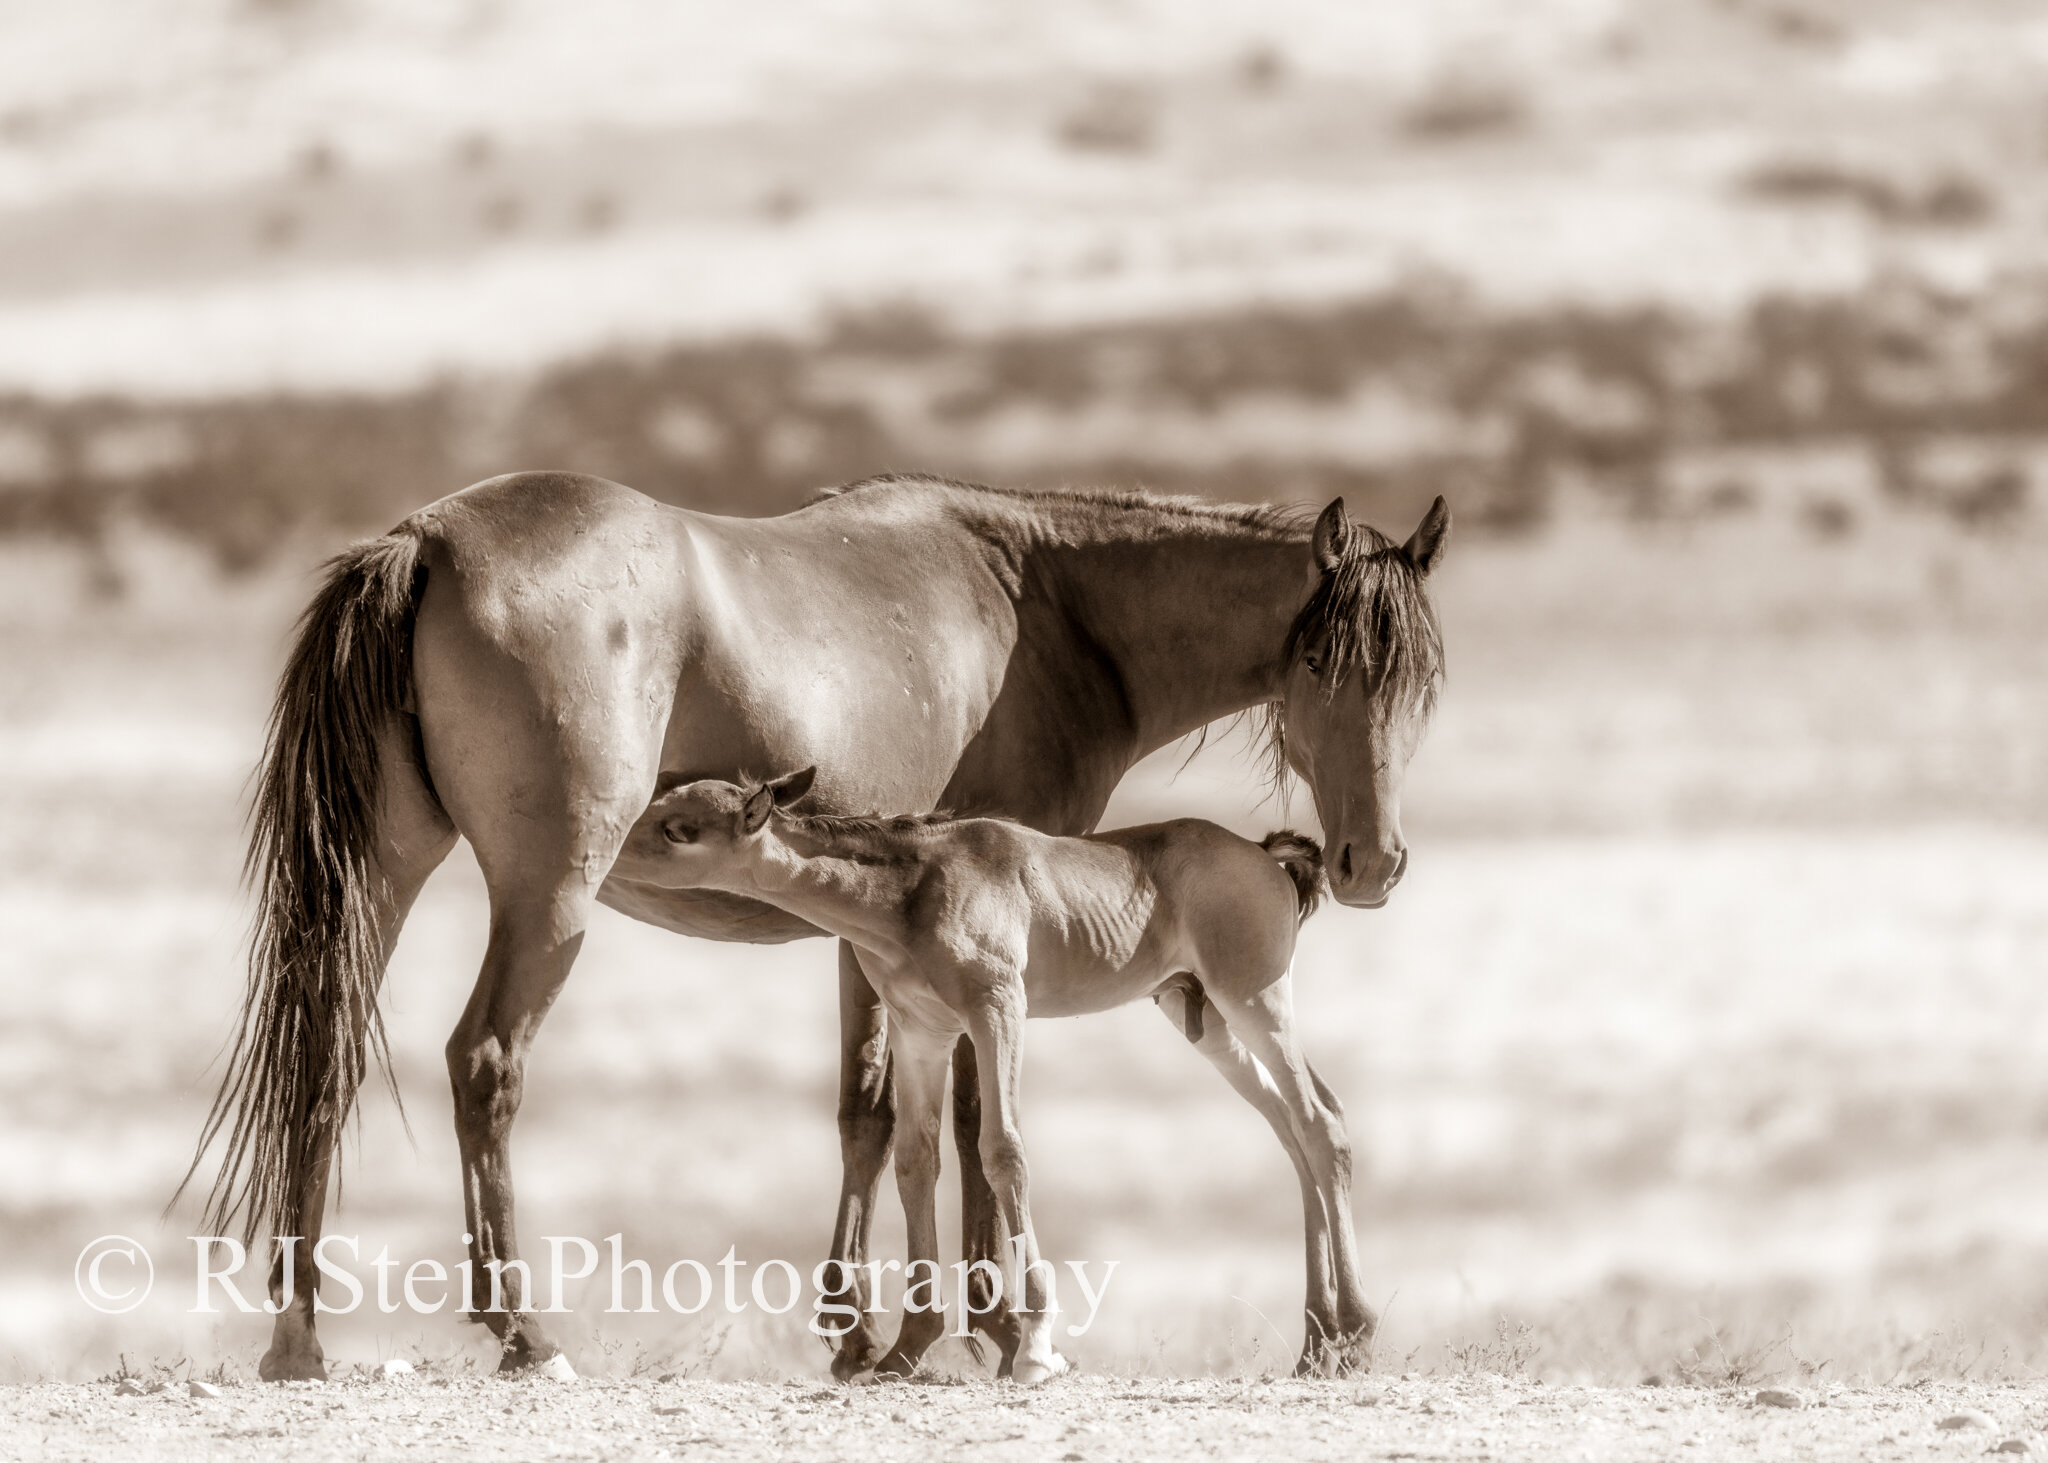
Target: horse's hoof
<point>855,1358</point>
<point>1030,1372</point>
<point>892,1368</point>
<point>292,1366</point>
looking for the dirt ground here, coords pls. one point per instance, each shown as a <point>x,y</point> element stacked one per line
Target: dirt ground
<point>1072,1419</point>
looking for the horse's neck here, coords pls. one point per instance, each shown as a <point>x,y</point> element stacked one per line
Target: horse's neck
<point>1192,612</point>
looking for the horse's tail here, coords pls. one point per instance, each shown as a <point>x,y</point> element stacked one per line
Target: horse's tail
<point>1302,858</point>
<point>316,956</point>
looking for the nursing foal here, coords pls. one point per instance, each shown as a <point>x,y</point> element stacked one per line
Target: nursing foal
<point>968,925</point>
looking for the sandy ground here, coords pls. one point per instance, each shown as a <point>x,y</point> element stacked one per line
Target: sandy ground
<point>1085,1418</point>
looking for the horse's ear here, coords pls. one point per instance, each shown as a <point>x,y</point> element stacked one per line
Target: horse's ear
<point>788,789</point>
<point>754,812</point>
<point>1332,536</point>
<point>1425,547</point>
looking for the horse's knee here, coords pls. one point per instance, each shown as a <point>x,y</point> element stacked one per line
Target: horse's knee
<point>488,1082</point>
<point>867,1114</point>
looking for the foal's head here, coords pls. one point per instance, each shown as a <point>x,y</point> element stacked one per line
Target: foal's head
<point>691,829</point>
<point>1362,666</point>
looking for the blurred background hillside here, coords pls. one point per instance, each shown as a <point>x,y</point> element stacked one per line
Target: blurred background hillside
<point>1708,1032</point>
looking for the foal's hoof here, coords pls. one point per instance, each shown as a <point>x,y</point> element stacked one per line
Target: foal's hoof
<point>1335,1356</point>
<point>1029,1372</point>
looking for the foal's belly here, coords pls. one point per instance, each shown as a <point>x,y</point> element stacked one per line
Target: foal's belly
<point>1083,988</point>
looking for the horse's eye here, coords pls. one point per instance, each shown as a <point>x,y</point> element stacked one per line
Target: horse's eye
<point>1315,667</point>
<point>677,833</point>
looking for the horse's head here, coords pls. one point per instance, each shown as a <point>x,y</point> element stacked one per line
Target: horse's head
<point>693,831</point>
<point>1361,669</point>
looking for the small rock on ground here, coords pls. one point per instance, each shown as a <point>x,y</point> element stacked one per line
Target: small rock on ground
<point>1957,1421</point>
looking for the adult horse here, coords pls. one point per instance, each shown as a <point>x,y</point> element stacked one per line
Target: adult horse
<point>519,662</point>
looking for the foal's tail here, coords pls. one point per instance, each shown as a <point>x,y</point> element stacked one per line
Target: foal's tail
<point>1302,858</point>
<point>309,1016</point>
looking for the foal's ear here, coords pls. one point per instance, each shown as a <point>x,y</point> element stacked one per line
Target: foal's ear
<point>1332,536</point>
<point>788,789</point>
<point>754,812</point>
<point>1425,547</point>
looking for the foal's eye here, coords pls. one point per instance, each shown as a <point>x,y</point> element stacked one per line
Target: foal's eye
<point>677,833</point>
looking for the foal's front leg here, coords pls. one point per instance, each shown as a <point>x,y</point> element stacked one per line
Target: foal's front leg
<point>997,1027</point>
<point>919,1064</point>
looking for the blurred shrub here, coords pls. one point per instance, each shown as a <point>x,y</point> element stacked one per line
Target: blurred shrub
<point>1464,102</point>
<point>1945,198</point>
<point>1113,117</point>
<point>1897,399</point>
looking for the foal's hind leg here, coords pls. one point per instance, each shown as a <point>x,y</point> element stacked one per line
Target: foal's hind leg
<point>997,1028</point>
<point>1250,1081</point>
<point>414,835</point>
<point>981,1231</point>
<point>1264,1021</point>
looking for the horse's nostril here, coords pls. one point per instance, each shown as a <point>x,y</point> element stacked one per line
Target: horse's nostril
<point>1344,863</point>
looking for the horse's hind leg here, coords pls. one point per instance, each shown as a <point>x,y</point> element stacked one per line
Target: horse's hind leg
<point>1251,1082</point>
<point>414,835</point>
<point>867,1117</point>
<point>543,760</point>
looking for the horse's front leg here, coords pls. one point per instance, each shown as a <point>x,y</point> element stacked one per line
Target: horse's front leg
<point>867,1119</point>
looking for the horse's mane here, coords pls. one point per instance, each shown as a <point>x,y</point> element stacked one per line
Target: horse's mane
<point>1369,615</point>
<point>1102,505</point>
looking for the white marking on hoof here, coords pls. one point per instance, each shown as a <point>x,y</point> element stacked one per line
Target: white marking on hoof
<point>1030,1373</point>
<point>556,1368</point>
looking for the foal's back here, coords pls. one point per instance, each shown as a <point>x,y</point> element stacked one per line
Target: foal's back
<point>1104,919</point>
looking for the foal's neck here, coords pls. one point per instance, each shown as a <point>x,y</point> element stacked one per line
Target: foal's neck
<point>837,886</point>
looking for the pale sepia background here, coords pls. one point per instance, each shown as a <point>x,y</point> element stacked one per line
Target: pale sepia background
<point>1709,1033</point>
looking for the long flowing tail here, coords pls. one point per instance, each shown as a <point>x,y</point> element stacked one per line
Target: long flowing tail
<point>309,1017</point>
<point>1302,858</point>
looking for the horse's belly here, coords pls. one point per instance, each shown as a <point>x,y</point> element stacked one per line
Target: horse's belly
<point>711,913</point>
